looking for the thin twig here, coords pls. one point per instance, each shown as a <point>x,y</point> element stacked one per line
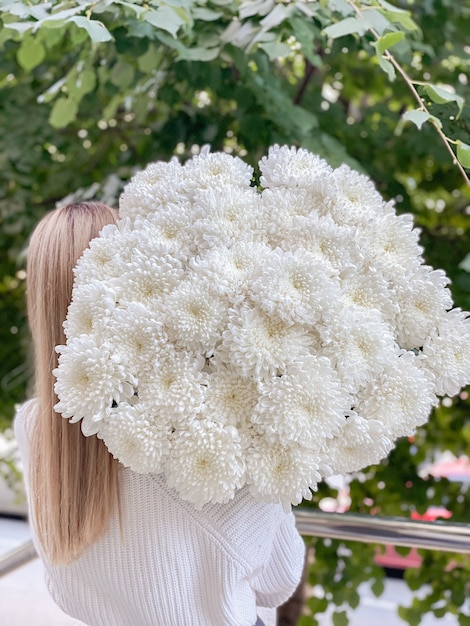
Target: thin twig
<point>391,59</point>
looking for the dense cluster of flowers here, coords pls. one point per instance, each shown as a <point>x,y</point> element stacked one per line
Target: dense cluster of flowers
<point>229,336</point>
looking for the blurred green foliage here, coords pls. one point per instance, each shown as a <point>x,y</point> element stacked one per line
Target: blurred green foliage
<point>90,91</point>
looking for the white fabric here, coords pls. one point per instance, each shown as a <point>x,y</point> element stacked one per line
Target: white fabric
<point>174,565</point>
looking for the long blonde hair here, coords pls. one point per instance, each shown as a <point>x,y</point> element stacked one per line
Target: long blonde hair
<point>74,480</point>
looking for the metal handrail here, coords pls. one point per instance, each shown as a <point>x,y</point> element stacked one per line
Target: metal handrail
<point>17,557</point>
<point>394,531</point>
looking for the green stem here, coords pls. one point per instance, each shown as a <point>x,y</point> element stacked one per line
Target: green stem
<point>422,105</point>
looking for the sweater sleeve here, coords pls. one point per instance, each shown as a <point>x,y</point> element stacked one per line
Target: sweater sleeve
<point>277,581</point>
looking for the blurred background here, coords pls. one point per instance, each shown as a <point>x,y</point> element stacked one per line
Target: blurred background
<point>90,92</point>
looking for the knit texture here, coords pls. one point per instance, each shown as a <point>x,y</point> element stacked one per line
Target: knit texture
<point>174,565</point>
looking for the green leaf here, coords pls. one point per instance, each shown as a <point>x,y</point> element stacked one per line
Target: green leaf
<point>464,620</point>
<point>63,112</point>
<point>53,90</point>
<point>340,618</point>
<point>79,85</point>
<point>317,605</point>
<point>465,265</point>
<point>31,53</point>
<point>96,30</point>
<point>440,95</point>
<point>378,587</point>
<point>305,32</point>
<point>57,20</point>
<point>206,15</point>
<point>377,20</point>
<point>150,60</point>
<point>387,68</point>
<point>278,15</point>
<point>410,615</point>
<point>398,16</point>
<point>417,117</point>
<point>341,6</point>
<point>122,74</point>
<point>199,54</point>
<point>391,7</point>
<point>165,18</point>
<point>387,41</point>
<point>276,50</point>
<point>348,26</point>
<point>131,5</point>
<point>19,27</point>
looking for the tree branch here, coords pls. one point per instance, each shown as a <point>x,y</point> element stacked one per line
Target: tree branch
<point>422,105</point>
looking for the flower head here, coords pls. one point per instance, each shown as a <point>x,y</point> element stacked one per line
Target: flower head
<point>361,443</point>
<point>280,473</point>
<point>89,379</point>
<point>259,345</point>
<point>423,300</point>
<point>206,462</point>
<point>230,399</point>
<point>291,167</point>
<point>400,398</point>
<point>297,287</point>
<point>149,190</point>
<point>90,311</point>
<point>195,316</point>
<point>446,353</point>
<point>306,406</point>
<point>358,343</point>
<point>133,436</point>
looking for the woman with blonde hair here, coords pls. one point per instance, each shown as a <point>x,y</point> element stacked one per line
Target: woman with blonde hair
<point>121,548</point>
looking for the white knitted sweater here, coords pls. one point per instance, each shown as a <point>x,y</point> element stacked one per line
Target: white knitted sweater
<point>174,565</point>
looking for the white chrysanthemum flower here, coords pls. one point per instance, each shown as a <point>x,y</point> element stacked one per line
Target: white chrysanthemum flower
<point>446,353</point>
<point>361,443</point>
<point>230,399</point>
<point>206,463</point>
<point>337,246</point>
<point>147,280</point>
<point>400,399</point>
<point>352,198</point>
<point>152,188</point>
<point>135,438</point>
<point>89,379</point>
<point>261,346</point>
<point>296,287</point>
<point>393,246</point>
<point>215,170</point>
<point>175,384</point>
<point>279,473</point>
<point>423,300</point>
<point>102,259</point>
<point>170,226</point>
<point>223,215</point>
<point>281,208</point>
<point>195,316</point>
<point>306,406</point>
<point>358,343</point>
<point>90,311</point>
<point>139,238</point>
<point>136,336</point>
<point>231,271</point>
<point>366,288</point>
<point>291,167</point>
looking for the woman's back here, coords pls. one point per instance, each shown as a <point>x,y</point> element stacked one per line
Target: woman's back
<point>169,564</point>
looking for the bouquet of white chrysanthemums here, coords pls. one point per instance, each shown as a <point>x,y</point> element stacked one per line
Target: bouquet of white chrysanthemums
<point>269,336</point>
